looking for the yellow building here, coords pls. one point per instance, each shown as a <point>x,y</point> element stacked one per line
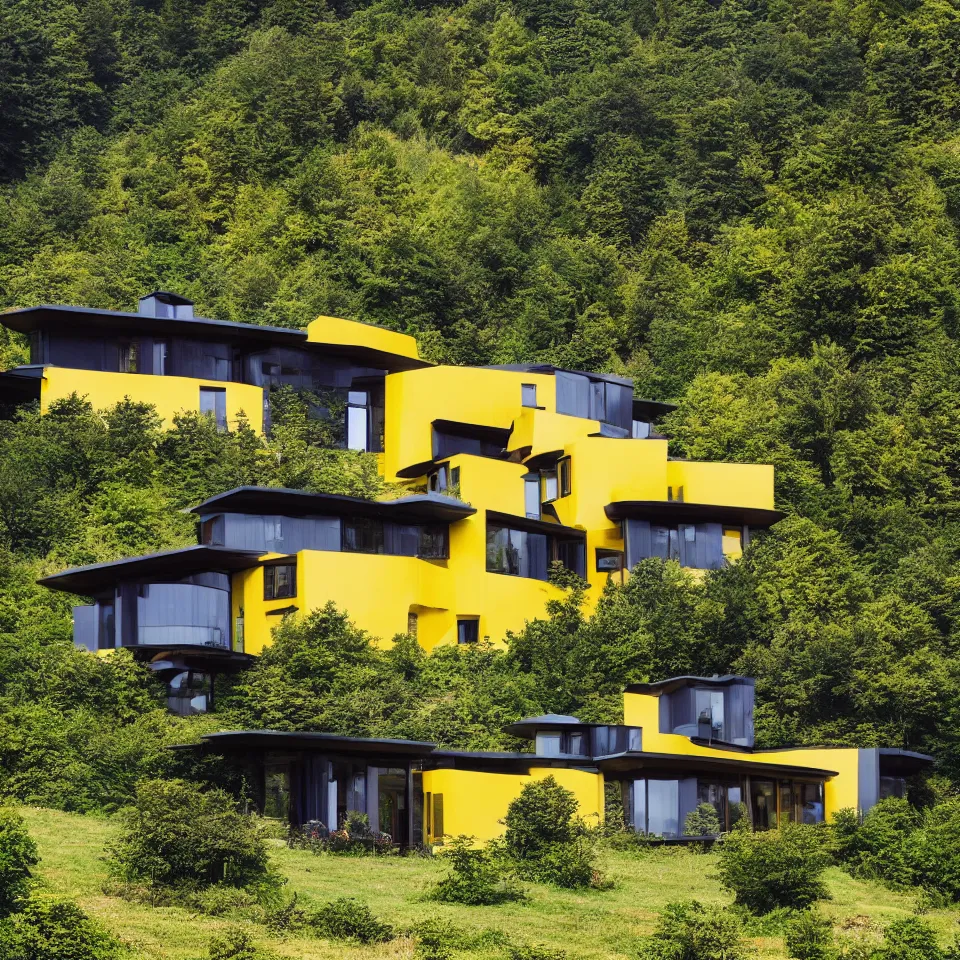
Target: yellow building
<point>509,473</point>
<point>685,741</point>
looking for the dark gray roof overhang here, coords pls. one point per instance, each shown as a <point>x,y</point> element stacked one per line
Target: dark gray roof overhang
<point>476,431</point>
<point>21,385</point>
<point>89,580</point>
<point>895,762</point>
<point>368,356</point>
<point>651,410</point>
<point>677,683</point>
<point>676,511</point>
<point>623,763</point>
<point>418,508</point>
<point>88,319</point>
<point>529,726</point>
<point>179,657</point>
<point>534,526</point>
<point>493,762</point>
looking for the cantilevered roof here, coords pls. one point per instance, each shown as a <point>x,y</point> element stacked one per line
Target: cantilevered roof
<point>895,762</point>
<point>529,726</point>
<point>549,369</point>
<point>651,409</point>
<point>87,319</point>
<point>21,384</point>
<point>677,683</point>
<point>690,764</point>
<point>534,526</point>
<point>283,740</point>
<point>418,508</point>
<point>91,579</point>
<point>676,511</point>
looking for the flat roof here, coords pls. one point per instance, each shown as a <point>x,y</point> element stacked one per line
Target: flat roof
<point>676,683</point>
<point>678,511</point>
<point>417,508</point>
<point>94,577</point>
<point>284,739</point>
<point>46,316</point>
<point>689,763</point>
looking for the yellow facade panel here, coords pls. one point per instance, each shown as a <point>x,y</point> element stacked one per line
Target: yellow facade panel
<point>170,395</point>
<point>723,484</point>
<point>350,333</point>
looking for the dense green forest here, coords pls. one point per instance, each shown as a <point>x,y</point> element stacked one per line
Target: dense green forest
<point>751,208</point>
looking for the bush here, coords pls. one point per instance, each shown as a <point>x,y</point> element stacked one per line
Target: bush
<point>692,931</point>
<point>236,944</point>
<point>55,930</point>
<point>177,835</point>
<point>546,840</point>
<point>702,822</point>
<point>775,868</point>
<point>354,836</point>
<point>875,848</point>
<point>476,877</point>
<point>18,855</point>
<point>909,939</point>
<point>810,937</point>
<point>349,919</point>
<point>931,853</point>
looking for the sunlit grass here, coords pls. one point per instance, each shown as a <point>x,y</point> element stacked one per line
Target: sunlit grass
<point>588,924</point>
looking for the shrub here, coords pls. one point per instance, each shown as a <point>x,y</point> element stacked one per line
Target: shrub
<point>177,835</point>
<point>18,855</point>
<point>875,848</point>
<point>702,822</point>
<point>545,839</point>
<point>775,868</point>
<point>931,853</point>
<point>349,919</point>
<point>909,938</point>
<point>692,931</point>
<point>236,944</point>
<point>810,937</point>
<point>476,877</point>
<point>354,836</point>
<point>55,930</point>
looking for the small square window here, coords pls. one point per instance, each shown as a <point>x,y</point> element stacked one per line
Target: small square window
<point>468,631</point>
<point>609,561</point>
<point>279,581</point>
<point>528,394</point>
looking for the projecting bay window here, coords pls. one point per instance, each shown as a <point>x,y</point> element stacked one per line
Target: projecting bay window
<point>279,581</point>
<point>213,403</point>
<point>556,481</point>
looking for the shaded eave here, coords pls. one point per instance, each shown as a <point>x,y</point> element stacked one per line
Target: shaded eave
<point>534,526</point>
<point>624,763</point>
<point>245,740</point>
<point>529,726</point>
<point>369,356</point>
<point>21,385</point>
<point>676,683</point>
<point>676,511</point>
<point>184,656</point>
<point>90,319</point>
<point>494,762</point>
<point>895,762</point>
<point>418,508</point>
<point>177,564</point>
<point>475,431</point>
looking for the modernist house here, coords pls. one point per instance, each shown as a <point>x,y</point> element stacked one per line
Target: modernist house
<point>501,472</point>
<point>166,356</point>
<point>685,741</point>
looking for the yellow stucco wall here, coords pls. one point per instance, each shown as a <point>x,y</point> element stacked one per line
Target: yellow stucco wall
<point>170,395</point>
<point>643,710</point>
<point>726,484</point>
<point>475,802</point>
<point>352,333</point>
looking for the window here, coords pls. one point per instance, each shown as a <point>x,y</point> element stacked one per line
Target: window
<point>565,472</point>
<point>160,353</point>
<point>531,496</point>
<point>675,493</point>
<point>437,481</point>
<point>709,707</point>
<point>468,630</point>
<point>528,394</point>
<point>129,351</point>
<point>455,479</point>
<point>732,541</point>
<point>211,532</point>
<point>437,819</point>
<point>551,486</point>
<point>433,542</point>
<point>571,553</point>
<point>663,807</point>
<point>609,561</point>
<point>641,430</point>
<point>412,624</point>
<point>238,636</point>
<point>363,535</point>
<point>665,542</point>
<point>517,553</point>
<point>279,581</point>
<point>358,420</point>
<point>277,792</point>
<point>213,402</point>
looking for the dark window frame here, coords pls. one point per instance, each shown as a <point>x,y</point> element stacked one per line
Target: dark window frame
<point>564,477</point>
<point>606,553</point>
<point>216,394</point>
<point>525,395</point>
<point>468,630</point>
<point>270,586</point>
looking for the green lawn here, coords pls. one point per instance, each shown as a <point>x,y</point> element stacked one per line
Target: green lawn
<point>588,925</point>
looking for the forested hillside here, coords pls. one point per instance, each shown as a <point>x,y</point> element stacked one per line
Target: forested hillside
<point>751,208</point>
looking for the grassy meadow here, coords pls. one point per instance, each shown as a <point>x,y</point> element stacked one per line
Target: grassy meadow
<point>593,924</point>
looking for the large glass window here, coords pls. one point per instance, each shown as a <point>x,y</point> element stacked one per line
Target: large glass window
<point>663,808</point>
<point>763,796</point>
<point>277,791</point>
<point>279,581</point>
<point>358,420</point>
<point>709,707</point>
<point>517,553</point>
<point>363,535</point>
<point>572,554</point>
<point>665,542</point>
<point>106,636</point>
<point>213,403</point>
<point>433,542</point>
